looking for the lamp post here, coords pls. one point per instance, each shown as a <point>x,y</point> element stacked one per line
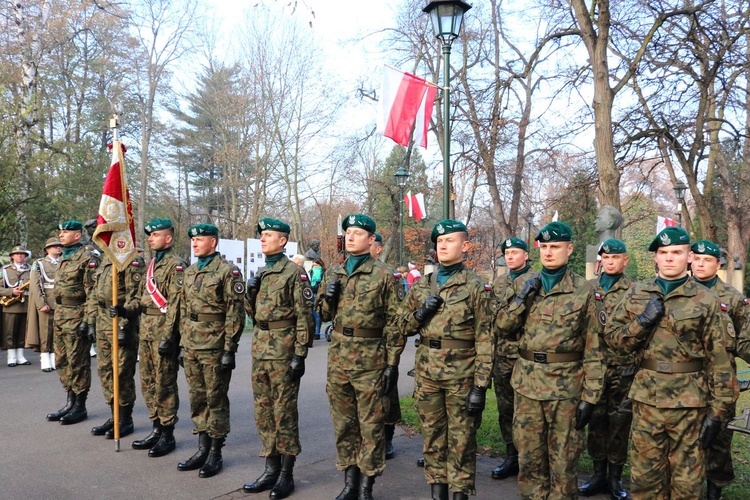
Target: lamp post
<point>401,175</point>
<point>446,17</point>
<point>529,220</point>
<point>679,192</point>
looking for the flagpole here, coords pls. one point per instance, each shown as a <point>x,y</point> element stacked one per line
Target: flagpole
<point>113,123</point>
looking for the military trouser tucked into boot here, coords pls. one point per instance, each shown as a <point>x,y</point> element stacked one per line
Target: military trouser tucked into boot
<point>598,482</point>
<point>126,423</point>
<point>150,440</point>
<point>78,413</point>
<point>108,425</point>
<point>158,381</point>
<point>57,415</point>
<point>165,444</point>
<point>285,484</point>
<point>351,484</point>
<point>214,461</point>
<point>71,352</point>
<point>199,458</point>
<point>268,479</point>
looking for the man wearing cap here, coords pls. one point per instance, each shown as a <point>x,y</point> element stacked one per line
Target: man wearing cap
<point>452,311</point>
<point>705,266</point>
<point>212,317</point>
<point>559,373</point>
<point>516,254</point>
<point>609,427</point>
<point>15,284</point>
<point>158,301</point>
<point>361,299</point>
<point>279,301</point>
<point>685,385</point>
<point>72,322</point>
<point>42,304</point>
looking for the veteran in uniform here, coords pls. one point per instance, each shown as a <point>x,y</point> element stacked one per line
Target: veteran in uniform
<point>516,254</point>
<point>360,296</point>
<point>558,376</point>
<point>609,427</point>
<point>42,304</point>
<point>279,301</point>
<point>74,282</point>
<point>159,337</point>
<point>705,265</point>
<point>212,315</point>
<point>685,384</point>
<point>452,311</point>
<point>14,290</point>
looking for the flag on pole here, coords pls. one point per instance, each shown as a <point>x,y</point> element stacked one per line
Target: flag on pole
<point>662,222</point>
<point>414,206</point>
<point>115,232</point>
<point>405,99</point>
<point>408,205</point>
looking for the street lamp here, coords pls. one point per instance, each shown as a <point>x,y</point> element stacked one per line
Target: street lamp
<point>679,192</point>
<point>529,220</point>
<point>446,17</point>
<point>401,175</point>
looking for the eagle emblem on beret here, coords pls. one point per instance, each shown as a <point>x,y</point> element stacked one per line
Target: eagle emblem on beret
<point>605,248</point>
<point>148,228</point>
<point>194,232</point>
<point>508,242</point>
<point>665,240</point>
<point>440,229</point>
<point>545,235</point>
<point>701,247</point>
<point>352,219</point>
<point>262,224</point>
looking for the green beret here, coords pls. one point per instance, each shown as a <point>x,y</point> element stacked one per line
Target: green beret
<point>269,224</point>
<point>447,226</point>
<point>157,225</point>
<point>203,230</point>
<point>612,246</point>
<point>668,236</point>
<point>706,247</point>
<point>514,243</point>
<point>555,231</point>
<point>70,225</point>
<point>379,237</point>
<point>358,220</point>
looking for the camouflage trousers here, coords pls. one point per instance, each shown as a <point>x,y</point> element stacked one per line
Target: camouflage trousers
<point>72,349</point>
<point>719,466</point>
<point>393,413</point>
<point>159,383</point>
<point>208,386</point>
<point>128,356</point>
<point>609,428</point>
<point>504,394</point>
<point>450,446</point>
<point>666,458</point>
<point>14,330</point>
<point>548,447</point>
<point>275,400</point>
<point>358,413</point>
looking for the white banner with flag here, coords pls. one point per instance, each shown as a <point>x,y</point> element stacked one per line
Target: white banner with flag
<point>406,100</point>
<point>662,222</point>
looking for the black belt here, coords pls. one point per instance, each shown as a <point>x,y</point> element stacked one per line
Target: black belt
<point>273,325</point>
<point>105,305</point>
<point>207,317</point>
<point>363,333</point>
<point>549,357</point>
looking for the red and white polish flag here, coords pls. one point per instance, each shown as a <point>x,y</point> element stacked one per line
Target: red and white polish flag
<point>407,102</point>
<point>663,222</point>
<point>415,206</point>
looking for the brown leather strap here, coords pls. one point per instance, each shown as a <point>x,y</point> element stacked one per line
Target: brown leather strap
<point>549,357</point>
<point>448,343</point>
<point>362,333</point>
<point>273,325</point>
<point>152,311</point>
<point>207,317</point>
<point>672,366</point>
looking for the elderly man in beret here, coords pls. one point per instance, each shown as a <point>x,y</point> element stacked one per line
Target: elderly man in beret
<point>42,304</point>
<point>685,385</point>
<point>558,376</point>
<point>279,301</point>
<point>361,298</point>
<point>14,287</point>
<point>73,324</point>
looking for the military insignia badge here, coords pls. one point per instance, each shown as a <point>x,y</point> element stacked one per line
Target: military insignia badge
<point>701,247</point>
<point>724,307</point>
<point>730,329</point>
<point>148,228</point>
<point>487,287</point>
<point>400,293</point>
<point>136,276</point>
<point>303,276</point>
<point>179,281</point>
<point>605,248</point>
<point>746,302</point>
<point>545,235</point>
<point>235,272</point>
<point>307,293</point>
<point>602,318</point>
<point>440,229</point>
<point>508,242</point>
<point>352,219</point>
<point>239,288</point>
<point>665,240</point>
<point>178,268</point>
<point>598,296</point>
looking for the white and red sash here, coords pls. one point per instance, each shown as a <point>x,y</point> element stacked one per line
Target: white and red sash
<point>159,299</point>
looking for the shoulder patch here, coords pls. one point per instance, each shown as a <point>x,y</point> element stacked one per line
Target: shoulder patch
<point>179,268</point>
<point>603,318</point>
<point>307,293</point>
<point>303,276</point>
<point>92,264</point>
<point>745,301</point>
<point>724,307</point>
<point>487,287</point>
<point>235,272</point>
<point>239,288</point>
<point>598,296</point>
<point>135,263</point>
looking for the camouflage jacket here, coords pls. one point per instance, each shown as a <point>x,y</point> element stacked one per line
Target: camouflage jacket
<point>368,299</point>
<point>212,313</point>
<point>169,274</point>
<point>284,294</point>
<point>466,314</point>
<point>693,328</point>
<point>735,305</point>
<point>506,341</point>
<point>75,280</point>
<point>100,298</point>
<point>560,321</point>
<point>11,278</point>
<point>605,304</point>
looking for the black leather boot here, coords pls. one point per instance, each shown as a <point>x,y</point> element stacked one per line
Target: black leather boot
<point>71,401</point>
<point>197,460</point>
<point>214,461</point>
<point>459,495</point>
<point>439,491</point>
<point>150,440</point>
<point>615,483</point>
<point>713,492</point>
<point>365,487</point>
<point>598,482</point>
<point>285,484</point>
<point>78,413</point>
<point>351,484</point>
<point>268,478</point>
<point>165,444</point>
<point>509,467</point>
<point>389,430</point>
<point>101,430</point>
<point>126,423</point>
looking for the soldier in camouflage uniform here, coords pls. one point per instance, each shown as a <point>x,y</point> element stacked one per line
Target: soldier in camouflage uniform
<point>361,298</point>
<point>685,384</point>
<point>159,339</point>
<point>452,310</point>
<point>74,282</point>
<point>516,254</point>
<point>279,301</point>
<point>609,427</point>
<point>705,265</point>
<point>212,317</point>
<point>99,306</point>
<point>558,376</point>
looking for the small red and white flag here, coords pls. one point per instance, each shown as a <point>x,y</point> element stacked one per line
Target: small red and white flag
<point>407,102</point>
<point>663,222</point>
<point>415,206</point>
<point>115,231</point>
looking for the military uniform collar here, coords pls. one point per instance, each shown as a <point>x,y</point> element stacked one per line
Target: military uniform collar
<point>687,289</point>
<point>279,265</point>
<point>211,266</point>
<point>565,285</point>
<point>458,278</point>
<point>365,267</point>
<point>623,283</point>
